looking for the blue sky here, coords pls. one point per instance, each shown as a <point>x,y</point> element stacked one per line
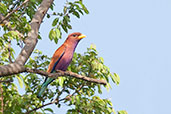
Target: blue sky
<point>134,38</point>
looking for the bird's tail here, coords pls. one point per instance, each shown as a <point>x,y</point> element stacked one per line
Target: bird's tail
<point>44,86</point>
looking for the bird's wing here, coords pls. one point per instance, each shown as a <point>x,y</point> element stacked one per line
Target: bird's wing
<point>56,58</point>
<point>54,61</point>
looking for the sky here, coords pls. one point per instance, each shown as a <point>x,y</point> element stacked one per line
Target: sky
<point>134,38</point>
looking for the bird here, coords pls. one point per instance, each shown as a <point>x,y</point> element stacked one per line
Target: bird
<point>61,58</point>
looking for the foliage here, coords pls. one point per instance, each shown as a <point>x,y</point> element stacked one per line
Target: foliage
<point>122,112</point>
<point>81,95</point>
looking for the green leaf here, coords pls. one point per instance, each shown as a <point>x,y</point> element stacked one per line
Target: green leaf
<point>52,34</point>
<point>83,6</point>
<point>61,81</point>
<point>122,112</point>
<point>48,16</point>
<point>101,59</point>
<point>110,103</point>
<point>69,26</point>
<point>3,8</point>
<point>59,105</point>
<point>109,109</point>
<point>99,89</point>
<point>55,34</point>
<point>67,18</point>
<point>49,109</point>
<point>76,14</point>
<point>72,100</point>
<point>56,40</point>
<point>33,1</point>
<point>85,10</point>
<point>79,9</point>
<point>39,37</point>
<point>93,46</point>
<point>115,78</point>
<point>107,86</point>
<point>64,28</point>
<point>65,9</point>
<point>77,100</point>
<point>58,32</point>
<point>55,21</point>
<point>20,81</point>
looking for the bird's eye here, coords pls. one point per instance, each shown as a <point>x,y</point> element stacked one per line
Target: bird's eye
<point>74,35</point>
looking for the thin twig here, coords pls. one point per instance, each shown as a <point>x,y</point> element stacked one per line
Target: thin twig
<point>10,13</point>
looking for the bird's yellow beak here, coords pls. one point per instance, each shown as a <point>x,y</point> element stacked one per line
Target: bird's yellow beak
<point>81,36</point>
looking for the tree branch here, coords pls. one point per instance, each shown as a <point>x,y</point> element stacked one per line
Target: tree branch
<point>9,14</point>
<point>30,43</point>
<point>60,73</point>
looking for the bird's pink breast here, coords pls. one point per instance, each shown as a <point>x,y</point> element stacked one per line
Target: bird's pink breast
<point>65,60</point>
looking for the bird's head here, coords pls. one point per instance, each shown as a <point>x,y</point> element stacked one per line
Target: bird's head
<point>76,36</point>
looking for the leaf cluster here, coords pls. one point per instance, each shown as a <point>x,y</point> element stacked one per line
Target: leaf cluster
<point>62,20</point>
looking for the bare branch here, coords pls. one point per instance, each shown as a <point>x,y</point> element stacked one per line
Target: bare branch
<point>10,13</point>
<point>60,73</point>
